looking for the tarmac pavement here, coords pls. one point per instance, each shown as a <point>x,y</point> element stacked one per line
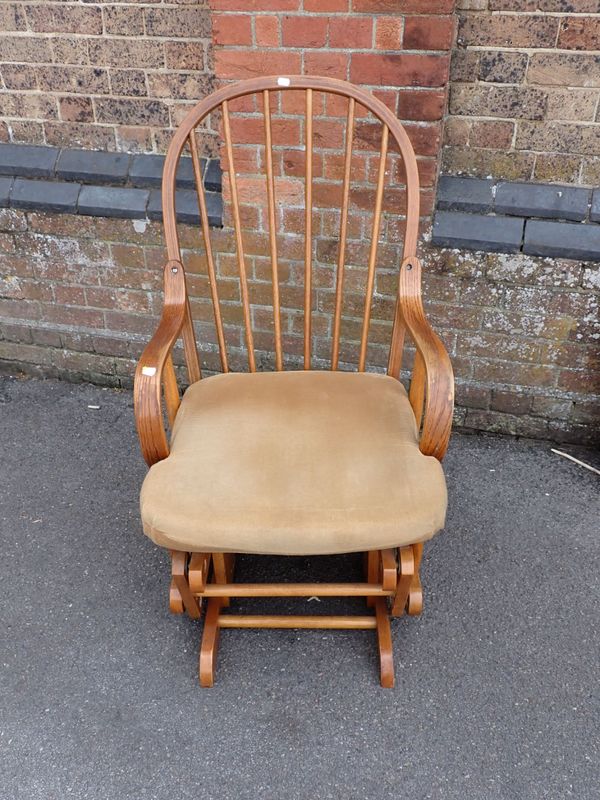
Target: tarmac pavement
<point>497,683</point>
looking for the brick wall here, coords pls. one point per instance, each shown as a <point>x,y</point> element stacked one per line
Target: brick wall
<point>105,76</point>
<point>525,94</point>
<point>80,296</point>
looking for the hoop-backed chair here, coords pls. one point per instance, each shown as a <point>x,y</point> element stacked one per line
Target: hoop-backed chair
<point>303,461</point>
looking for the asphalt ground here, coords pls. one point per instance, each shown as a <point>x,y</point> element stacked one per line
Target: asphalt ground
<point>496,694</point>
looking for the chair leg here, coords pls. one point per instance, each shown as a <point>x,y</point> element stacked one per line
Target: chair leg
<point>414,605</point>
<point>179,566</point>
<point>210,643</point>
<point>384,641</point>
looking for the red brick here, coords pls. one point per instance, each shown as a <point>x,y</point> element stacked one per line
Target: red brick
<point>331,65</point>
<point>267,31</point>
<point>251,131</point>
<point>232,29</point>
<point>237,64</point>
<point>404,6</point>
<point>388,34</point>
<point>428,33</point>
<point>326,5</point>
<point>254,5</point>
<point>399,69</point>
<point>422,105</point>
<point>302,31</point>
<point>351,32</point>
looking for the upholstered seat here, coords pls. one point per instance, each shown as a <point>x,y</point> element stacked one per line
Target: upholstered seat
<point>294,463</point>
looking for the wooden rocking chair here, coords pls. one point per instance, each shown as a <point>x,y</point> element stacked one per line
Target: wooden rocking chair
<point>301,461</point>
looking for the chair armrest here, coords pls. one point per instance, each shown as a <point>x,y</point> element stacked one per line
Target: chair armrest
<point>147,388</point>
<point>432,384</point>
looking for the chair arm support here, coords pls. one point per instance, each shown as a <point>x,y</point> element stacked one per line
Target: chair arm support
<point>147,389</point>
<point>432,385</point>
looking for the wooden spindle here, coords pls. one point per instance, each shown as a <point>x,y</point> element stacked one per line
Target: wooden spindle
<point>209,253</point>
<point>272,229</point>
<point>339,287</point>
<point>238,237</point>
<point>373,254</point>
<point>308,231</point>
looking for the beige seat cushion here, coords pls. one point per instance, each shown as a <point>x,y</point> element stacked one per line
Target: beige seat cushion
<point>294,463</point>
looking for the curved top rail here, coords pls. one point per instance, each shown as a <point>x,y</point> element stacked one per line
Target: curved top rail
<point>281,83</point>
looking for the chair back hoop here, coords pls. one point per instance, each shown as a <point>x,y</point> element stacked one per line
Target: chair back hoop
<point>262,87</point>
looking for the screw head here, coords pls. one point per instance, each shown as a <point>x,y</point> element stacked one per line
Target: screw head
<point>174,270</point>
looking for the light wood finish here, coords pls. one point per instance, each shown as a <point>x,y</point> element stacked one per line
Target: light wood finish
<point>308,230</point>
<point>237,225</point>
<point>210,261</point>
<point>272,230</point>
<point>384,642</point>
<point>406,573</point>
<point>198,567</point>
<point>362,361</point>
<point>175,599</point>
<point>201,575</point>
<point>171,390</point>
<point>149,373</point>
<point>341,264</point>
<point>349,623</point>
<point>179,576</point>
<point>389,570</point>
<point>382,562</point>
<point>415,594</point>
<point>434,380</point>
<point>210,644</point>
<point>221,574</point>
<point>296,590</point>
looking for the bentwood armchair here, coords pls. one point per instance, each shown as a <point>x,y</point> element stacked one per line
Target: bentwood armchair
<point>301,461</point>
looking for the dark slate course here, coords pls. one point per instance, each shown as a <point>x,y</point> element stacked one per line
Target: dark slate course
<point>186,204</point>
<point>93,166</point>
<point>477,232</point>
<point>45,195</point>
<point>464,194</point>
<point>562,240</point>
<point>212,176</point>
<point>146,170</point>
<point>29,160</point>
<point>109,201</point>
<point>5,187</point>
<point>537,200</point>
<point>595,210</point>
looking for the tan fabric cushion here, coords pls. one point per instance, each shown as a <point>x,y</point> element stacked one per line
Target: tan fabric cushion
<point>294,463</point>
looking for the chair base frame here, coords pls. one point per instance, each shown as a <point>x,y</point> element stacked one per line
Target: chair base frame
<point>392,588</point>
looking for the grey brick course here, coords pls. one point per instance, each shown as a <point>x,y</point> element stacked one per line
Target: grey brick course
<point>45,195</point>
<point>562,240</point>
<point>477,232</point>
<point>109,201</point>
<point>539,200</point>
<point>28,160</point>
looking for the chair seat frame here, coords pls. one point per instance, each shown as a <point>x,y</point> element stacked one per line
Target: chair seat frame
<point>392,584</point>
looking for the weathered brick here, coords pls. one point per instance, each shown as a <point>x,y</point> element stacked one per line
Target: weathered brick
<point>501,66</point>
<point>507,30</point>
<point>177,22</point>
<point>579,33</point>
<point>64,18</point>
<point>560,69</point>
<point>498,101</point>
